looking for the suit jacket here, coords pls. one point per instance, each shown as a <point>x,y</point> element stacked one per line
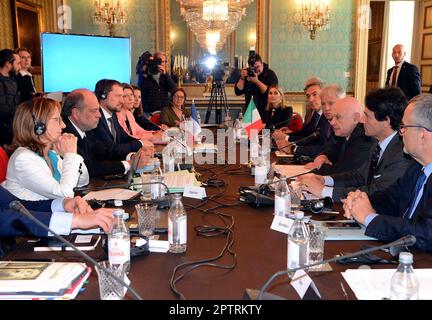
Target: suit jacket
<point>96,155</point>
<point>307,129</point>
<point>408,80</point>
<point>391,167</point>
<point>14,224</point>
<point>391,204</point>
<point>326,137</point>
<point>123,144</point>
<point>348,155</point>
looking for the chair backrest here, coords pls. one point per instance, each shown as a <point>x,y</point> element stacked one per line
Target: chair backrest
<point>296,122</point>
<point>4,159</point>
<point>155,118</point>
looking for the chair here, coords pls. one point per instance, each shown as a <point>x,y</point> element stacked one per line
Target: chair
<point>296,122</point>
<point>155,118</point>
<point>4,159</point>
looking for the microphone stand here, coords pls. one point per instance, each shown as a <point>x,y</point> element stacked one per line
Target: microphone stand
<point>18,206</point>
<point>407,241</point>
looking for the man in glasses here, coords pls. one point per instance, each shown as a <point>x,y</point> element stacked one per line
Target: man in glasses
<point>387,162</point>
<point>9,94</point>
<point>405,207</point>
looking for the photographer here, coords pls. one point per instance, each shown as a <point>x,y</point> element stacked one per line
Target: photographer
<point>154,82</point>
<point>254,82</point>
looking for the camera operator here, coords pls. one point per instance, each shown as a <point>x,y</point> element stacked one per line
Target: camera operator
<point>254,82</point>
<point>154,82</point>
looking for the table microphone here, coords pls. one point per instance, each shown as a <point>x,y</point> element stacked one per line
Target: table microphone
<point>302,141</point>
<point>408,240</point>
<point>17,206</point>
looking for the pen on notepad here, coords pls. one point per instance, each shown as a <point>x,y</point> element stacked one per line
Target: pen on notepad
<point>344,291</point>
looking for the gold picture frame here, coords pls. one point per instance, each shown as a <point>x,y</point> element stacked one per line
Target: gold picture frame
<point>27,27</point>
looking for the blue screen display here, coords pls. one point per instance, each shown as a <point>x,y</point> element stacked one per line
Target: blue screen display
<point>76,61</point>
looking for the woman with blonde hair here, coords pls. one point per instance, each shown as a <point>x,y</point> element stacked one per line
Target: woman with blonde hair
<point>46,164</point>
<point>278,114</point>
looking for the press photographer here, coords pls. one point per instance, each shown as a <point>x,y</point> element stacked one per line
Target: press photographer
<point>254,82</point>
<point>154,81</point>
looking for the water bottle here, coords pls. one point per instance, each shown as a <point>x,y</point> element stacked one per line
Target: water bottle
<point>404,284</point>
<point>298,241</point>
<point>157,189</point>
<point>282,198</point>
<point>119,242</point>
<point>177,225</point>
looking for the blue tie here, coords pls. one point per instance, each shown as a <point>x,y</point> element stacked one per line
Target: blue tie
<point>419,185</point>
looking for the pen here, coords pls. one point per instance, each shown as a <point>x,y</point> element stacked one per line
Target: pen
<point>344,291</point>
<point>35,260</point>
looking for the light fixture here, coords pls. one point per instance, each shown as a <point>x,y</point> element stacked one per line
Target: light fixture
<point>109,12</point>
<point>314,15</point>
<point>215,10</point>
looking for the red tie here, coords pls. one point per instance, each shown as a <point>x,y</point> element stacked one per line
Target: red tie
<point>395,69</point>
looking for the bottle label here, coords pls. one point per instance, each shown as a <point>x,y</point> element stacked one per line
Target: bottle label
<point>293,255</point>
<point>182,230</point>
<point>282,206</point>
<point>118,251</point>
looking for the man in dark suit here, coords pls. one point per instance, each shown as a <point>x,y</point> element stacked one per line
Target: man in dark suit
<point>405,207</point>
<point>387,162</point>
<point>404,75</point>
<point>81,115</point>
<point>352,147</point>
<point>61,215</point>
<point>317,122</point>
<point>108,131</point>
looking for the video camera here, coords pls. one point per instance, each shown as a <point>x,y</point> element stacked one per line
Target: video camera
<point>251,71</point>
<point>151,63</point>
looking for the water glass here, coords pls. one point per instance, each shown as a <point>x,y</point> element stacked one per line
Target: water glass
<point>317,234</point>
<point>146,218</point>
<point>109,288</point>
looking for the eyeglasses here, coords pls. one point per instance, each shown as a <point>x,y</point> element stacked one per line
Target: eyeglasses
<point>403,127</point>
<point>178,97</point>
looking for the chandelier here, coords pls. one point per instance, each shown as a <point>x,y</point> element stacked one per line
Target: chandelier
<point>213,20</point>
<point>314,15</point>
<point>109,12</point>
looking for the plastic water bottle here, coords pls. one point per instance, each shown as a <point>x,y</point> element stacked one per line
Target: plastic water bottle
<point>177,225</point>
<point>404,283</point>
<point>157,189</point>
<point>282,198</point>
<point>298,241</point>
<point>119,242</point>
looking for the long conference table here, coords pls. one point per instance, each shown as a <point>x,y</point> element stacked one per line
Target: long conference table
<point>259,251</point>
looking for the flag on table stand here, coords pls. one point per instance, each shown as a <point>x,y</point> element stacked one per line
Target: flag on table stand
<point>252,119</point>
<point>194,117</point>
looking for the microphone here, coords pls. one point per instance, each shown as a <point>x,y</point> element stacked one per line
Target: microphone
<point>273,126</point>
<point>317,205</point>
<point>17,206</point>
<point>408,240</point>
<point>303,140</point>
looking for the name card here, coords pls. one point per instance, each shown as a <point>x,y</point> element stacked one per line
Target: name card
<point>194,192</point>
<point>301,283</point>
<point>281,224</point>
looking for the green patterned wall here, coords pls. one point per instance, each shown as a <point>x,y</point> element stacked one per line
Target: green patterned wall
<point>246,26</point>
<point>178,25</point>
<point>140,25</point>
<point>295,58</point>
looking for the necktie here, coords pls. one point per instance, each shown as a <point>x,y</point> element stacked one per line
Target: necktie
<point>418,187</point>
<point>374,163</point>
<point>112,128</point>
<point>395,71</point>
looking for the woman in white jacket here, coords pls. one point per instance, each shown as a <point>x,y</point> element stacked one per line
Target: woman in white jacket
<point>46,165</point>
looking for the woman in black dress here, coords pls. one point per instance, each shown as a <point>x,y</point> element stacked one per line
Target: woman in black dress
<point>278,114</point>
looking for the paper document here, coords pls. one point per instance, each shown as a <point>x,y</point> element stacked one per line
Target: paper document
<point>374,284</point>
<point>290,170</point>
<point>111,194</point>
<point>347,234</point>
<point>283,154</point>
<point>176,181</point>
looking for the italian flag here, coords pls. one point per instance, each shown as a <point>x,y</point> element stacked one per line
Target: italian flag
<point>252,119</point>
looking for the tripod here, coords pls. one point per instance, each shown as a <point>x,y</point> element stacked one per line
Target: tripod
<point>218,100</point>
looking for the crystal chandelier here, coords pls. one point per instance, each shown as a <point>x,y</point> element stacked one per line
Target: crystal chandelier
<point>314,15</point>
<point>210,26</point>
<point>215,10</point>
<point>109,12</point>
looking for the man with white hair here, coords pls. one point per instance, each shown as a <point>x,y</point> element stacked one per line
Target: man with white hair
<point>404,75</point>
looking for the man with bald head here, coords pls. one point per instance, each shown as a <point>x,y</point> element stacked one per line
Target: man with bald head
<point>352,147</point>
<point>81,115</point>
<point>404,75</point>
